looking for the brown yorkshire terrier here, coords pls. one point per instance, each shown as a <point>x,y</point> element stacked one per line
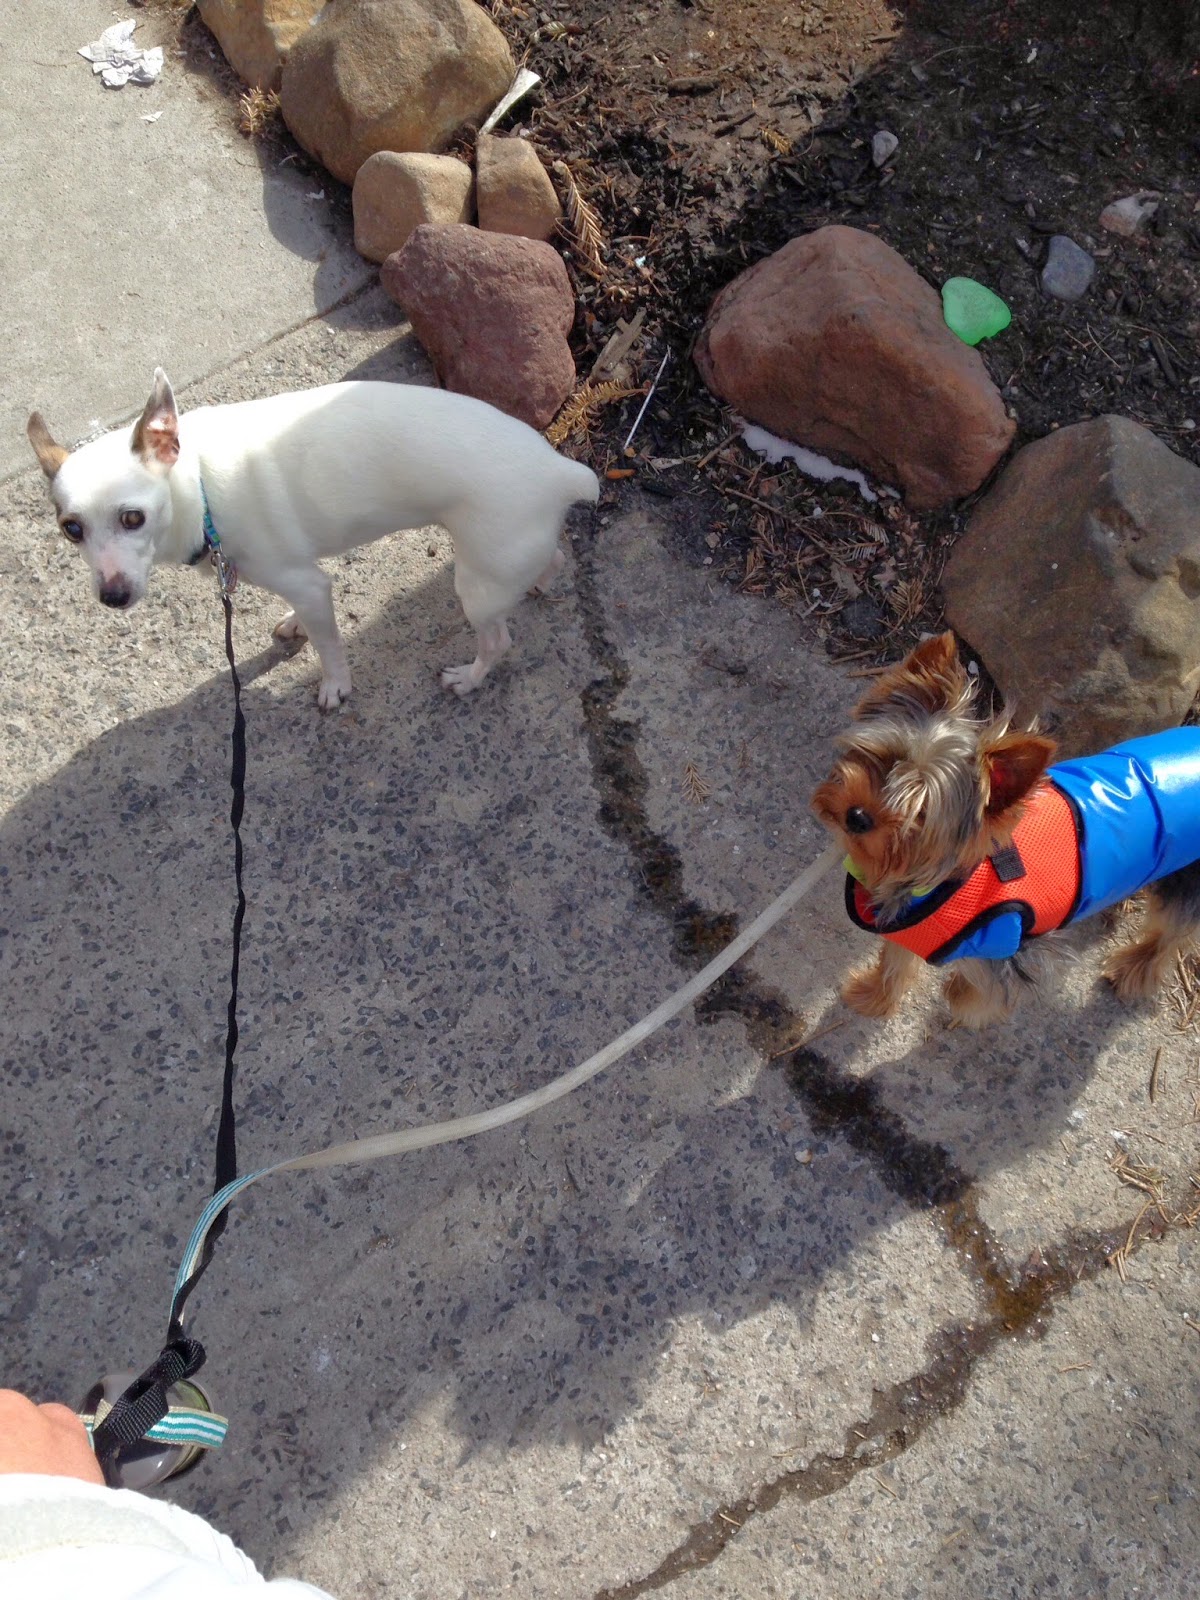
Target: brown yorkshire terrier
<point>963,844</point>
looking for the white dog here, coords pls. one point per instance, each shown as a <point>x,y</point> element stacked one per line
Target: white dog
<point>295,477</point>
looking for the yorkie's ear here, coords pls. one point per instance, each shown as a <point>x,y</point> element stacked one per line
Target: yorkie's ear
<point>936,657</point>
<point>1013,763</point>
<point>931,677</point>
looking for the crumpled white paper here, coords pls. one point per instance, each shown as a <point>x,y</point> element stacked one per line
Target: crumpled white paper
<point>118,60</point>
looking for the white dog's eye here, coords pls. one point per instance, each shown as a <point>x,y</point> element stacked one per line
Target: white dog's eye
<point>72,530</point>
<point>132,519</point>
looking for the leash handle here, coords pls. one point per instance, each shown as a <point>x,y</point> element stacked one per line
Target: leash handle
<point>143,1404</point>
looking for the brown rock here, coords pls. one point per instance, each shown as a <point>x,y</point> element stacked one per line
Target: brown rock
<point>256,35</point>
<point>493,311</point>
<point>1078,581</point>
<point>394,193</point>
<point>515,194</point>
<point>391,75</point>
<point>836,343</point>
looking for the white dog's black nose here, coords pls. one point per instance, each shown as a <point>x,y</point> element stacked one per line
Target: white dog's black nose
<point>117,594</point>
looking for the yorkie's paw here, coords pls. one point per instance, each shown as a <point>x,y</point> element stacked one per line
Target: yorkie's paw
<point>1136,971</point>
<point>973,1007</point>
<point>868,993</point>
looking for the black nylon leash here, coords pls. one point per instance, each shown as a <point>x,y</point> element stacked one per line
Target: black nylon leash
<point>225,1165</point>
<point>144,1402</point>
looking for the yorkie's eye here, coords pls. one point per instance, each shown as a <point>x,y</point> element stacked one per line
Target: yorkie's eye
<point>72,530</point>
<point>858,820</point>
<point>132,519</point>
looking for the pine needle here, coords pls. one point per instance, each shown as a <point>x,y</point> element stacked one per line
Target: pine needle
<point>694,785</point>
<point>578,411</point>
<point>582,223</point>
<point>257,110</point>
<point>1138,1175</point>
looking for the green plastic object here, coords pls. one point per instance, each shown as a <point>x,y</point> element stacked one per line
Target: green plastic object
<point>973,312</point>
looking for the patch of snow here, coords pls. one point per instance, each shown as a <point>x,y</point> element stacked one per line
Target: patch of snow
<point>813,465</point>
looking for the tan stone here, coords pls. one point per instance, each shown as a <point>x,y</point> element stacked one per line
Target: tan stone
<point>515,194</point>
<point>391,75</point>
<point>493,311</point>
<point>1078,582</point>
<point>256,35</point>
<point>836,343</point>
<point>395,192</point>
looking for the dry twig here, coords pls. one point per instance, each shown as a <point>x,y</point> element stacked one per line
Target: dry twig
<point>1155,1078</point>
<point>1139,1175</point>
<point>1121,1254</point>
<point>1190,1214</point>
<point>1184,993</point>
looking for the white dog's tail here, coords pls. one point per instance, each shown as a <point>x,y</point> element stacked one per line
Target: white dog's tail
<point>581,481</point>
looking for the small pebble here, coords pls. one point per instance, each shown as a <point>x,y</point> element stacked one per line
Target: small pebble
<point>1126,216</point>
<point>883,147</point>
<point>1069,269</point>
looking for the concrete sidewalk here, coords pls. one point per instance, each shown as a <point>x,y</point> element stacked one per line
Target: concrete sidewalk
<point>738,1318</point>
<point>131,243</point>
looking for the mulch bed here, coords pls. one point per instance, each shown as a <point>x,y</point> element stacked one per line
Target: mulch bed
<point>705,135</point>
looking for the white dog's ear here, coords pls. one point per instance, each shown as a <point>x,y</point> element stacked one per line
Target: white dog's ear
<point>50,455</point>
<point>156,432</point>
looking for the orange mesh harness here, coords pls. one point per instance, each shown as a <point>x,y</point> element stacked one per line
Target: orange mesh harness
<point>1037,875</point>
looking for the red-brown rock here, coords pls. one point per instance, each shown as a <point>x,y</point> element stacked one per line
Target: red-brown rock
<point>836,343</point>
<point>493,311</point>
<point>1078,582</point>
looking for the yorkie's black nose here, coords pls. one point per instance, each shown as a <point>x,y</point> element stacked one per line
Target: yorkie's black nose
<point>858,820</point>
<point>116,594</point>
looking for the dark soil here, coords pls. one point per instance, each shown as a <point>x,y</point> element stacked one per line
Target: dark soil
<point>707,134</point>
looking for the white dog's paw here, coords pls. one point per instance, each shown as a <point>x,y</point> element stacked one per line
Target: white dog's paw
<point>461,679</point>
<point>333,692</point>
<point>290,627</point>
<point>545,578</point>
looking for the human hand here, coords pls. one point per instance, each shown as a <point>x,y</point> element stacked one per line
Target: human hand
<point>46,1439</point>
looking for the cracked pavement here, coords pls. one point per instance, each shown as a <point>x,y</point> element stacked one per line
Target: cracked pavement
<point>788,1303</point>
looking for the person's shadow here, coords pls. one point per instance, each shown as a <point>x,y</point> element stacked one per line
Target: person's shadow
<point>449,903</point>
